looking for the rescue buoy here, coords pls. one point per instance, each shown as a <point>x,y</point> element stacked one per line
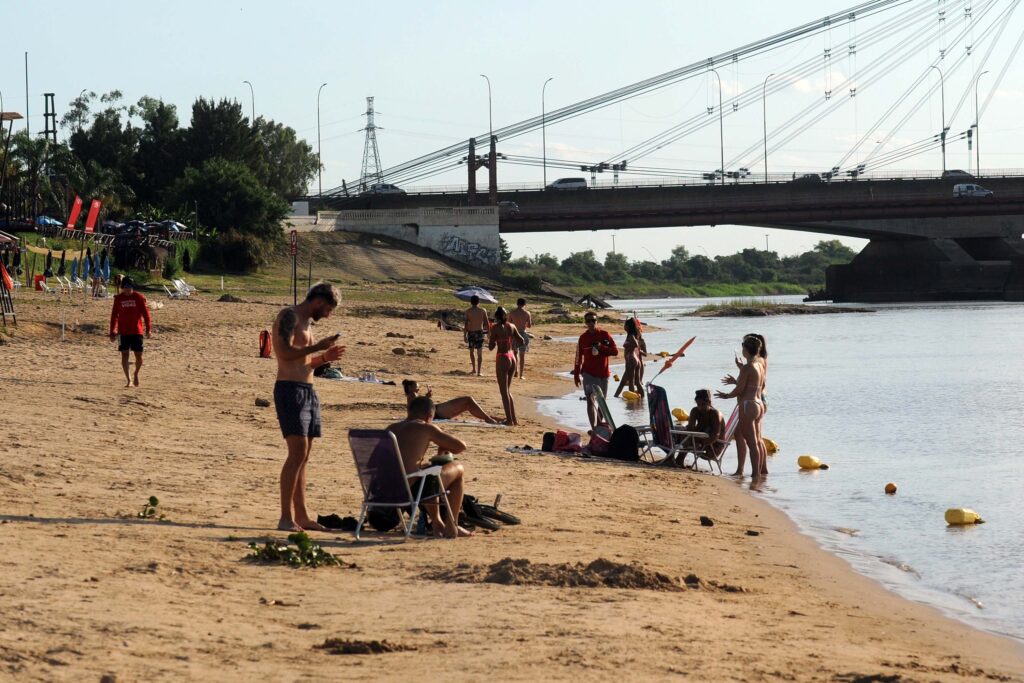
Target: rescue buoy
<point>680,415</point>
<point>630,395</point>
<point>615,377</point>
<point>664,354</point>
<point>890,488</point>
<point>770,446</point>
<point>808,462</point>
<point>959,516</point>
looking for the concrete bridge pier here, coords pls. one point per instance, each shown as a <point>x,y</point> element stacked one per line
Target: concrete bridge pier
<point>941,269</point>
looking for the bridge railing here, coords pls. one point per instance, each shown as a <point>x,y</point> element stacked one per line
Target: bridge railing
<point>681,181</point>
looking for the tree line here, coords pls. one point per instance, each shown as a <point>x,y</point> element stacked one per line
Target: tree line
<point>226,177</point>
<point>681,267</point>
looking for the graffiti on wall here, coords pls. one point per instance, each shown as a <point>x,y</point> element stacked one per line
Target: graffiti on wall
<point>461,249</point>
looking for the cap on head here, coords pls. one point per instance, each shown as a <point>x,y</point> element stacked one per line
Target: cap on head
<point>702,395</point>
<point>127,283</point>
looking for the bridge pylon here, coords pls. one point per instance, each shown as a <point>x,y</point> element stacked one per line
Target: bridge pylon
<point>473,163</point>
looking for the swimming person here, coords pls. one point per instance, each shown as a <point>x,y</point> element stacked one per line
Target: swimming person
<point>298,407</point>
<point>449,409</point>
<point>748,399</point>
<point>505,337</point>
<point>129,317</point>
<point>521,318</point>
<point>475,331</point>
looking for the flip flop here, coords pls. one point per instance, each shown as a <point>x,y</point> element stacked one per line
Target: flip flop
<point>494,513</point>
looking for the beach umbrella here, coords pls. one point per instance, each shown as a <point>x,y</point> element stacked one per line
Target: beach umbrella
<point>48,270</point>
<point>106,266</point>
<point>16,263</point>
<point>467,293</point>
<point>86,264</point>
<point>676,356</point>
<point>97,269</point>
<point>61,268</point>
<point>74,268</point>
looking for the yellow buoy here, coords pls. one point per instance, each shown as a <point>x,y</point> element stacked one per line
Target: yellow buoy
<point>680,415</point>
<point>664,354</point>
<point>616,378</point>
<point>808,462</point>
<point>890,488</point>
<point>770,446</point>
<point>958,516</point>
<point>630,395</point>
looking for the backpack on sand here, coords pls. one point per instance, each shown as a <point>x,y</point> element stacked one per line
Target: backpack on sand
<point>600,440</point>
<point>624,444</point>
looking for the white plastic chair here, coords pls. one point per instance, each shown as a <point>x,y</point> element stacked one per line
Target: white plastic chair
<point>173,294</point>
<point>384,480</point>
<point>184,287</point>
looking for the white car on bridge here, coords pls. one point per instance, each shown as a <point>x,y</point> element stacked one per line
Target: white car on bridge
<point>971,190</point>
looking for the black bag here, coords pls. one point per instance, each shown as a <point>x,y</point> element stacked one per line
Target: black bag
<point>624,444</point>
<point>383,519</point>
<point>548,442</point>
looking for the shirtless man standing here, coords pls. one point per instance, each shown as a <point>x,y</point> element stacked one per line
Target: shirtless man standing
<point>475,332</point>
<point>522,319</point>
<point>414,435</point>
<point>298,407</point>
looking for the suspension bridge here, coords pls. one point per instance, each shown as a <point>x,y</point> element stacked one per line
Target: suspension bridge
<point>875,71</point>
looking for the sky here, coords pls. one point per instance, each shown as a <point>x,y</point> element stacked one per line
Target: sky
<point>422,61</point>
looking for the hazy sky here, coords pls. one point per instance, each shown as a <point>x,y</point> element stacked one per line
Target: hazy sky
<point>422,62</point>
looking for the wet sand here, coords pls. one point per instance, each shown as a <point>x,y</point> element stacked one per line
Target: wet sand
<point>87,588</point>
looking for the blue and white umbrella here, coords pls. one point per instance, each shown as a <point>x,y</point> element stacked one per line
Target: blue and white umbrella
<point>74,268</point>
<point>106,267</point>
<point>469,292</point>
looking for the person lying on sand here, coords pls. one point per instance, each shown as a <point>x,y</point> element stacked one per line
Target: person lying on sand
<point>449,409</point>
<point>298,407</point>
<point>415,434</point>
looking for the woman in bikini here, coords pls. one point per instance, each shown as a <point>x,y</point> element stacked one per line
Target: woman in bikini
<point>449,409</point>
<point>504,337</point>
<point>631,349</point>
<point>748,398</point>
<point>741,447</point>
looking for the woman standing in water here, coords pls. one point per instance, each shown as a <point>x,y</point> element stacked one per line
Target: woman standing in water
<point>631,349</point>
<point>504,337</point>
<point>762,357</point>
<point>748,399</point>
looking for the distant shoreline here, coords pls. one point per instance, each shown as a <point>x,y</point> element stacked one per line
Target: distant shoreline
<point>732,310</point>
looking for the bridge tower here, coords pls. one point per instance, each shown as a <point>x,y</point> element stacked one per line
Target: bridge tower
<point>371,173</point>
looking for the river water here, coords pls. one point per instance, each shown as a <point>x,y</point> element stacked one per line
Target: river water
<point>928,396</point>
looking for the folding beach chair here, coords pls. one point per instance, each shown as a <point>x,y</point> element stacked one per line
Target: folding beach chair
<point>602,408</point>
<point>384,480</point>
<point>660,434</point>
<point>173,294</point>
<point>706,450</point>
<point>184,287</point>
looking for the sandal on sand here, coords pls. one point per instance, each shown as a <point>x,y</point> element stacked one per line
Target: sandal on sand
<point>492,512</point>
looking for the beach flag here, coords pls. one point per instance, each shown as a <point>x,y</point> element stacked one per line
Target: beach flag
<point>676,356</point>
<point>76,209</point>
<point>94,212</point>
<point>5,279</point>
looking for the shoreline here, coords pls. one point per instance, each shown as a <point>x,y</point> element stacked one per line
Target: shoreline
<point>92,589</point>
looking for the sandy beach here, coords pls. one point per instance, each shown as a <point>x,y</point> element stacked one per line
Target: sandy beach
<point>88,589</point>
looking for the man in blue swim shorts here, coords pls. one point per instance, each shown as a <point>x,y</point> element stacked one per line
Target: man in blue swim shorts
<point>298,407</point>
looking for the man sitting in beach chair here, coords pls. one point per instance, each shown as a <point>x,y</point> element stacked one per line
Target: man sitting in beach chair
<point>707,419</point>
<point>415,434</point>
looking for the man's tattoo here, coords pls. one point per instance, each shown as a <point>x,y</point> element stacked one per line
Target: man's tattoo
<point>286,328</point>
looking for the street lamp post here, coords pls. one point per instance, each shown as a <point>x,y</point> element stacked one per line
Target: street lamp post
<point>766,241</point>
<point>543,132</point>
<point>977,127</point>
<point>319,159</point>
<point>252,97</point>
<point>721,127</point>
<point>613,242</point>
<point>942,136</point>
<point>490,117</point>
<point>764,107</point>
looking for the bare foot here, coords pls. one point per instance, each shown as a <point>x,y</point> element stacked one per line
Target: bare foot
<point>310,525</point>
<point>136,380</point>
<point>464,533</point>
<point>737,474</point>
<point>493,421</point>
<point>127,383</point>
<point>288,525</point>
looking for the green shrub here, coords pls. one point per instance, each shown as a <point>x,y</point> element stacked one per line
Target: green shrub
<point>234,252</point>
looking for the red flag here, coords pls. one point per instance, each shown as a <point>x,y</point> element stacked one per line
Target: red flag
<point>676,356</point>
<point>94,212</point>
<point>76,209</point>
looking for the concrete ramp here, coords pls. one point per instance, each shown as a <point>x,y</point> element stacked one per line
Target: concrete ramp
<point>468,235</point>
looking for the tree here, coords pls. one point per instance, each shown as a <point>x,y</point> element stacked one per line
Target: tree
<point>287,164</point>
<point>506,253</point>
<point>583,265</point>
<point>221,130</point>
<point>835,251</point>
<point>158,161</point>
<point>232,199</point>
<point>616,266</point>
